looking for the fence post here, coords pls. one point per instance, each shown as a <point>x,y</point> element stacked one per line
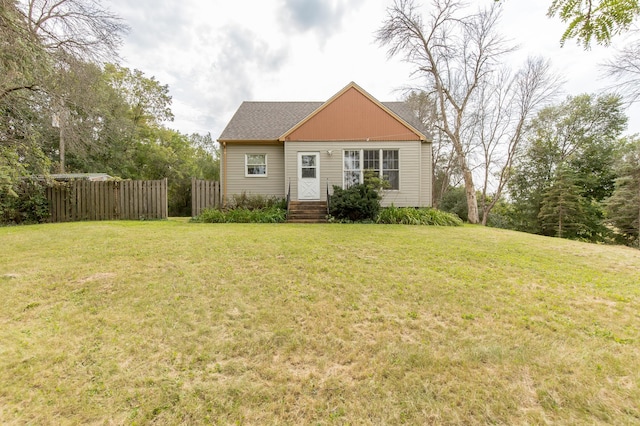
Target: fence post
<point>194,196</point>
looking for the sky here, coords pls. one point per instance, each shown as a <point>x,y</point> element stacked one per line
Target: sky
<point>215,54</point>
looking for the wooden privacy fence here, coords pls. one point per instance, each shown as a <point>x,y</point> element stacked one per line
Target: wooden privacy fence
<point>205,194</point>
<point>113,200</point>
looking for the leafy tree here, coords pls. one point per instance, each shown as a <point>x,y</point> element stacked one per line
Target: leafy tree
<point>89,111</point>
<point>582,137</point>
<point>41,41</point>
<point>623,207</point>
<point>23,65</point>
<point>23,59</point>
<point>149,101</point>
<point>594,19</point>
<point>207,154</point>
<point>62,107</point>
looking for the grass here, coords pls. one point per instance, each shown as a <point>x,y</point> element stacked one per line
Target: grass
<point>173,322</point>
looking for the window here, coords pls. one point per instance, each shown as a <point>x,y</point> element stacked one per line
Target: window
<point>352,169</point>
<point>308,166</point>
<point>255,165</point>
<point>371,161</point>
<point>391,167</point>
<point>357,161</point>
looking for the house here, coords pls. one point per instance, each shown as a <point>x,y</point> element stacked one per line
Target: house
<point>302,149</point>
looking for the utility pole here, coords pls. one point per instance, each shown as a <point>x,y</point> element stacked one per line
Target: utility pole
<point>58,120</point>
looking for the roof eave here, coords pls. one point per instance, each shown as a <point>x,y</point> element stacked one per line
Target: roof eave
<point>251,141</point>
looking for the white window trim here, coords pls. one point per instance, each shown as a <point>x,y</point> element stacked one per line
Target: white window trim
<point>246,165</point>
<point>361,150</point>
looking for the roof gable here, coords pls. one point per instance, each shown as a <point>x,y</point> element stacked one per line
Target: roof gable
<point>352,114</point>
<point>277,121</point>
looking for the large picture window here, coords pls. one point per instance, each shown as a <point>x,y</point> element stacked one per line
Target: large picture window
<point>384,163</point>
<point>255,165</point>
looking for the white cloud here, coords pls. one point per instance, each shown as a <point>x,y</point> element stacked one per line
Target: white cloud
<point>216,54</point>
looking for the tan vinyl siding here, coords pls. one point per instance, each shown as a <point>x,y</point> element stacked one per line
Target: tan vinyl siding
<point>411,192</point>
<point>330,166</point>
<point>426,191</point>
<point>237,182</point>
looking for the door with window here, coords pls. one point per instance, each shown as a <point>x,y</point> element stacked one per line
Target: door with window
<point>308,176</point>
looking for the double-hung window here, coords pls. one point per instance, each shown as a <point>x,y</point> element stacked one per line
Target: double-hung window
<point>391,167</point>
<point>255,165</point>
<point>383,163</point>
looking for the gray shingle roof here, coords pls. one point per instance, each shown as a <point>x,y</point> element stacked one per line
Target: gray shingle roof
<point>267,121</point>
<point>264,121</point>
<point>404,111</point>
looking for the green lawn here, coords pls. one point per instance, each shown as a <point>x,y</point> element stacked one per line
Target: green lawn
<point>172,322</point>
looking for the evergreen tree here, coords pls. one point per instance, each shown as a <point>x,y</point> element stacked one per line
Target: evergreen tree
<point>561,209</point>
<point>623,207</point>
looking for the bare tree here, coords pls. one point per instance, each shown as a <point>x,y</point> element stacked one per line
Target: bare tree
<point>442,157</point>
<point>40,34</point>
<point>624,68</point>
<point>454,52</point>
<point>505,104</point>
<point>82,29</point>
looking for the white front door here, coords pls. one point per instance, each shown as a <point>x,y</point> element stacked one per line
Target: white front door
<point>308,176</point>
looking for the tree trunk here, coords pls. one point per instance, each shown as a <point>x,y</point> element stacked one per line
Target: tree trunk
<point>560,213</point>
<point>485,215</point>
<point>472,202</point>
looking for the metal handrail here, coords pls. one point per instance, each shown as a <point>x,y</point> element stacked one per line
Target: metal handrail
<point>328,198</point>
<point>289,195</point>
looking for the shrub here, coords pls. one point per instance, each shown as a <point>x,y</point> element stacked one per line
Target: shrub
<point>27,204</point>
<point>255,202</point>
<point>413,216</point>
<point>273,214</point>
<point>455,201</point>
<point>358,203</point>
<point>210,216</point>
<point>243,208</point>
